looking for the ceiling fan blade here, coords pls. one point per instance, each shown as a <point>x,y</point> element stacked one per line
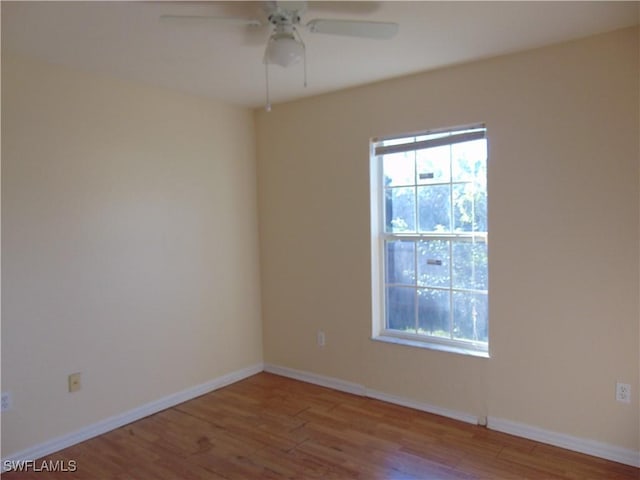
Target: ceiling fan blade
<point>361,7</point>
<point>209,19</point>
<point>353,28</point>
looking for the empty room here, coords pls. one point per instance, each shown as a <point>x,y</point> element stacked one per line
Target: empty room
<point>347,240</point>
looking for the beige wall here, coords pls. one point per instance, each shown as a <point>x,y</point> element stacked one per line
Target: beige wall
<point>129,246</point>
<point>563,214</point>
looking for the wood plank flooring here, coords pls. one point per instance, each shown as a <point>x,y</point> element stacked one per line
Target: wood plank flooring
<point>270,427</point>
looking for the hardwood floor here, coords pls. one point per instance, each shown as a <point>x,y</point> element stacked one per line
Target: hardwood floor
<point>275,428</point>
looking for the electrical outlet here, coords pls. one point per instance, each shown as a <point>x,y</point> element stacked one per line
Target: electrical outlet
<point>321,338</point>
<point>6,401</point>
<point>623,392</point>
<point>74,382</point>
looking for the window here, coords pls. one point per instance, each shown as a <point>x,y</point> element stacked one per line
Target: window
<point>430,255</point>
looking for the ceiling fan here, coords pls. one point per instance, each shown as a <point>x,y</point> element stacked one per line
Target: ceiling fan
<point>285,46</point>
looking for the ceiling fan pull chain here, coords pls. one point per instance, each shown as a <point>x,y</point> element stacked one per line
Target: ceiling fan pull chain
<point>304,59</point>
<point>304,54</point>
<point>267,106</point>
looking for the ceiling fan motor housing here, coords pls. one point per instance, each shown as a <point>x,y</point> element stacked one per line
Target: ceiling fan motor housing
<point>284,18</point>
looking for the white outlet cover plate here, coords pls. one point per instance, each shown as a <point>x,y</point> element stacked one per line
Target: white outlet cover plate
<point>623,392</point>
<point>6,401</point>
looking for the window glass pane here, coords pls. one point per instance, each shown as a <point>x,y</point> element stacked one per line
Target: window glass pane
<point>399,169</point>
<point>480,217</point>
<point>470,265</point>
<point>401,309</point>
<point>400,209</point>
<point>469,160</point>
<point>433,165</point>
<point>434,208</point>
<point>433,312</point>
<point>469,208</point>
<point>433,263</point>
<point>470,314</point>
<point>400,267</point>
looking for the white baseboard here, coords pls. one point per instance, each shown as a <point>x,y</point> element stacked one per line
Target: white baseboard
<point>116,421</point>
<point>425,407</point>
<point>577,444</point>
<point>323,381</point>
<point>358,389</point>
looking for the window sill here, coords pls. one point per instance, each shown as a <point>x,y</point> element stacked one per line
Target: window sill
<point>431,346</point>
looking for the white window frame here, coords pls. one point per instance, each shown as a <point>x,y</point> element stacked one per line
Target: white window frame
<point>379,237</point>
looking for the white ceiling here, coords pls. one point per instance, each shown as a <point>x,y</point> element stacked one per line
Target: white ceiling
<point>127,40</point>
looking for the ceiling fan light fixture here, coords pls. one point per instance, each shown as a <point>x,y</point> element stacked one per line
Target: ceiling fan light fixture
<point>284,50</point>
